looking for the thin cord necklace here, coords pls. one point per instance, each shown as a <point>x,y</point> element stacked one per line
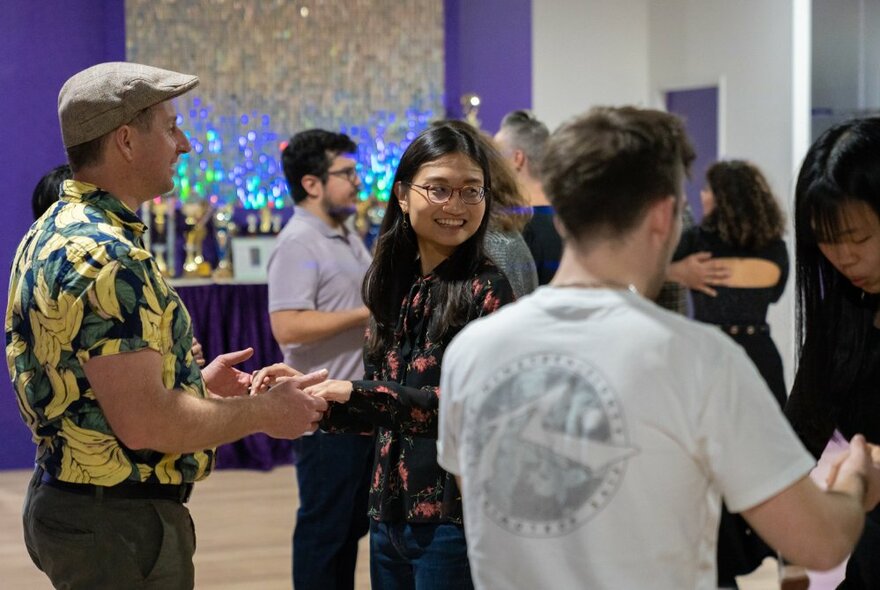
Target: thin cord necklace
<point>601,285</point>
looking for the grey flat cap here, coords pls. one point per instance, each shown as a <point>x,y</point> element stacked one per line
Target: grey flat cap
<point>99,99</point>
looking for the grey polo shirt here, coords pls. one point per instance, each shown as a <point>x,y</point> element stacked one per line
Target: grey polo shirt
<point>316,267</point>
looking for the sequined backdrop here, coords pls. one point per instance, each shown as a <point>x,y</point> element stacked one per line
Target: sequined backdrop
<point>269,68</point>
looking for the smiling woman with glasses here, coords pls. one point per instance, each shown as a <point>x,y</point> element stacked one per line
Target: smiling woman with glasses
<point>430,277</point>
<point>439,194</point>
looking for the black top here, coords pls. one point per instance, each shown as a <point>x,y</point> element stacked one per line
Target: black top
<point>544,243</point>
<point>854,410</point>
<point>400,400</point>
<point>734,305</point>
<point>858,412</point>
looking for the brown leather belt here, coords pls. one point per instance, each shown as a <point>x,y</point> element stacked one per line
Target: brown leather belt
<point>124,491</point>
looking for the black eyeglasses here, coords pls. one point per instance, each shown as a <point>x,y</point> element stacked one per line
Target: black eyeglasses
<point>440,194</point>
<point>350,174</point>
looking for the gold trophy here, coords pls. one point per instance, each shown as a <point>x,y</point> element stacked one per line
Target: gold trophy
<point>265,220</point>
<point>224,228</point>
<point>197,215</point>
<point>159,209</point>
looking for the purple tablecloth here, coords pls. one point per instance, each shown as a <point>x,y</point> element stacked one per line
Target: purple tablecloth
<point>229,317</point>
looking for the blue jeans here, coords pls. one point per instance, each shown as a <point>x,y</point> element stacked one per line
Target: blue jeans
<point>333,473</point>
<point>418,557</point>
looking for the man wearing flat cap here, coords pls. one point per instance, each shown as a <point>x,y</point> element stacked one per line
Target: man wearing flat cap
<point>98,348</point>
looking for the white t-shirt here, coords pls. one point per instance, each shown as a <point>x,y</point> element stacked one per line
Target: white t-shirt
<point>595,433</point>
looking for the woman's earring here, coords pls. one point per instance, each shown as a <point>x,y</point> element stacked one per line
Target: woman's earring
<point>405,222</point>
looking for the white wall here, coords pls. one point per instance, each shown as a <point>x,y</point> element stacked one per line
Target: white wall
<point>871,52</point>
<point>836,49</point>
<point>846,60</point>
<point>587,53</point>
<point>746,46</point>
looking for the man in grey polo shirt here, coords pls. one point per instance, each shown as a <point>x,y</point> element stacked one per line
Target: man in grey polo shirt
<point>318,318</point>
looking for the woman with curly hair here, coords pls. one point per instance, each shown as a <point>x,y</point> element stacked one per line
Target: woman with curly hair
<point>742,228</point>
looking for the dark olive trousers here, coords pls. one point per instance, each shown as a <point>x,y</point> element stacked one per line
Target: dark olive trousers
<point>85,542</point>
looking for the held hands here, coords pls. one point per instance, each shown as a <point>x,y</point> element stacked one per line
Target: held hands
<point>269,376</point>
<point>293,412</point>
<point>305,397</point>
<point>699,272</point>
<point>861,461</point>
<point>332,390</point>
<point>223,379</point>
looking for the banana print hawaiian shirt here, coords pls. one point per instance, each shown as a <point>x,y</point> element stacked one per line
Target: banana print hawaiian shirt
<point>83,285</point>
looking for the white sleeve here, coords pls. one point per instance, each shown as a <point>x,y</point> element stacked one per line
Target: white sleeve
<point>751,450</point>
<point>449,428</point>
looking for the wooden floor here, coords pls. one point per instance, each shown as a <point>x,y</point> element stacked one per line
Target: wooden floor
<point>243,519</point>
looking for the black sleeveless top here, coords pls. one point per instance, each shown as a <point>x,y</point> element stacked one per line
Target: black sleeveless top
<point>733,305</point>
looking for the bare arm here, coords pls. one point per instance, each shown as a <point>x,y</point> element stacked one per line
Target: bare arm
<point>307,325</point>
<point>145,415</point>
<point>818,529</point>
<point>698,272</point>
<point>809,527</point>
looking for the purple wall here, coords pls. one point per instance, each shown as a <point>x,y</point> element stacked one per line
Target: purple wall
<point>489,52</point>
<point>699,109</point>
<point>42,44</point>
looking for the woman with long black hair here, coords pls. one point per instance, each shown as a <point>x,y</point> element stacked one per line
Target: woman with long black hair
<point>837,232</point>
<point>429,277</point>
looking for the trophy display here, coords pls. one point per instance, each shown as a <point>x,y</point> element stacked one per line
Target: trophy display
<point>160,230</point>
<point>196,216</point>
<point>224,228</point>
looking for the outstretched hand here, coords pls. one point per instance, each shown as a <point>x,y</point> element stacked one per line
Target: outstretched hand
<point>332,390</point>
<point>223,379</point>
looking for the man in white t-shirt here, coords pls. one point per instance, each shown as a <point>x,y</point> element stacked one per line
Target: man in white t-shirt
<point>596,438</point>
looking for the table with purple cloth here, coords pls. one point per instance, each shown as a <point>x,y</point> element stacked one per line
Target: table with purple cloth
<point>228,317</point>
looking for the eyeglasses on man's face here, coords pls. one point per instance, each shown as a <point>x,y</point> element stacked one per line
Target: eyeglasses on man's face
<point>350,174</point>
<point>440,193</point>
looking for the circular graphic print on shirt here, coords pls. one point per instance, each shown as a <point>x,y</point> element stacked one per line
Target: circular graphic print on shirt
<point>550,445</point>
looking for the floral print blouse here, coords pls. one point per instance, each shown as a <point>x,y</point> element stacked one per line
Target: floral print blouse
<point>399,400</point>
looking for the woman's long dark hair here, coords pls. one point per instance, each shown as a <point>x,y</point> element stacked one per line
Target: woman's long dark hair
<point>833,316</point>
<point>746,213</point>
<point>396,263</point>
